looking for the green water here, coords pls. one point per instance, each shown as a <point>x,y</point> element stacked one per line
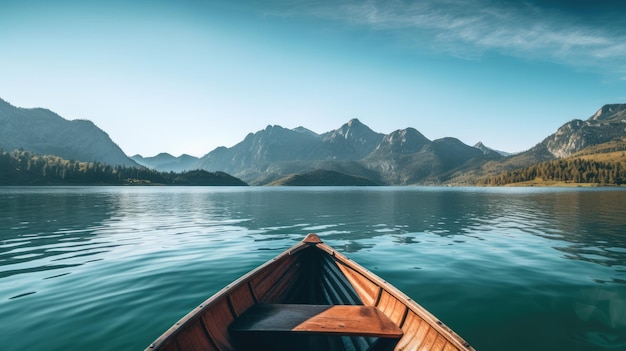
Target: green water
<point>111,268</point>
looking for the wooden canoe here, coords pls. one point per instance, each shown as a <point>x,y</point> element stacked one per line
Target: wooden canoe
<point>310,297</point>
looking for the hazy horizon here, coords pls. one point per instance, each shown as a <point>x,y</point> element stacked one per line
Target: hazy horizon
<point>186,77</point>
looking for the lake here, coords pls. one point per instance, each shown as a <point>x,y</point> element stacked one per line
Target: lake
<point>111,268</point>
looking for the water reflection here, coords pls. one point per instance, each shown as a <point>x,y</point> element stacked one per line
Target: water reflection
<point>490,262</point>
<point>55,228</point>
<point>584,225</point>
<point>590,222</point>
<point>50,230</point>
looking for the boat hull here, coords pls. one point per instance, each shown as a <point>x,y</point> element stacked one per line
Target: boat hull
<point>310,273</point>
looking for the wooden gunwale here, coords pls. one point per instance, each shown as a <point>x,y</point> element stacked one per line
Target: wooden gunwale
<point>420,311</point>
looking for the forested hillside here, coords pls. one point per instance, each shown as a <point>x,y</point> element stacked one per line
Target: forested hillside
<point>27,168</point>
<point>604,164</point>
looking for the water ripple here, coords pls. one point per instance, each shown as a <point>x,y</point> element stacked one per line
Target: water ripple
<point>111,268</point>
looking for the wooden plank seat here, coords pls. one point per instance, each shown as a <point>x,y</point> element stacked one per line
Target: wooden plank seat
<point>342,320</point>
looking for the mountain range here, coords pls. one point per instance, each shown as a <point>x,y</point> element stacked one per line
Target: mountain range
<point>400,158</point>
<point>276,154</point>
<point>165,162</point>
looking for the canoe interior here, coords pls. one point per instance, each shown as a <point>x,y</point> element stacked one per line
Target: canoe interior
<point>308,273</point>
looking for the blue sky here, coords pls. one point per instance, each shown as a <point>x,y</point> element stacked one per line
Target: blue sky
<point>189,76</point>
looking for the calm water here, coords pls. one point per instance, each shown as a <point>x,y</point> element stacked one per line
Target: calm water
<point>111,268</point>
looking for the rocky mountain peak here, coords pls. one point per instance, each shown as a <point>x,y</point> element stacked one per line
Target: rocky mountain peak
<point>354,123</point>
<point>354,129</point>
<point>487,150</point>
<point>354,139</point>
<point>305,131</point>
<point>402,141</point>
<point>610,112</point>
<point>409,133</point>
<point>271,132</point>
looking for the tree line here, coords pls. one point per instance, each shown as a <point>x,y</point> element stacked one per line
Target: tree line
<point>577,170</point>
<point>21,167</point>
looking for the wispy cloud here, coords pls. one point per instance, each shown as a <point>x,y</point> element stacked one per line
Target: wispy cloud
<point>471,28</point>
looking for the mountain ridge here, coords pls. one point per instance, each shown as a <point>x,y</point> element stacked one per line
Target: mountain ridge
<point>45,132</point>
<point>402,157</point>
<point>165,162</point>
<point>608,123</point>
<point>406,157</point>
